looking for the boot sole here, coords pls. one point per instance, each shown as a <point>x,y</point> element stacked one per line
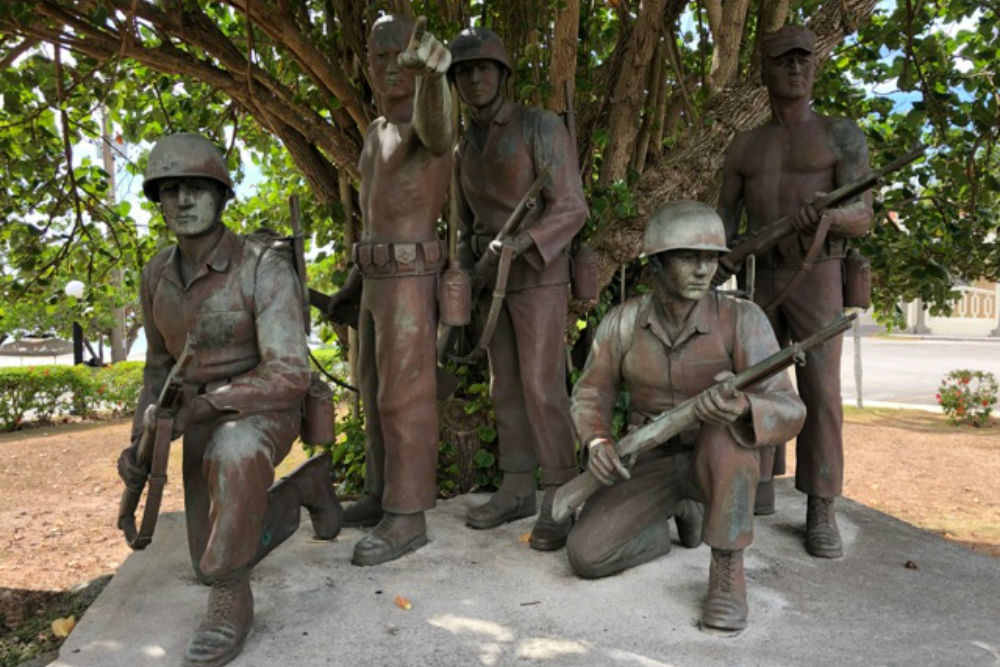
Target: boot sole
<point>227,657</point>
<point>385,557</point>
<point>493,522</point>
<point>824,553</point>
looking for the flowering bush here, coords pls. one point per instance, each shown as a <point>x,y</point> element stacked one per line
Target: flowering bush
<point>968,396</point>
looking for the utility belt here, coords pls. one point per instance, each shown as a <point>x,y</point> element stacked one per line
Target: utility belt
<point>389,260</point>
<point>584,276</point>
<point>791,251</point>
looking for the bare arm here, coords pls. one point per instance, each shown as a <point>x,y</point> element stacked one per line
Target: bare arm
<point>429,60</point>
<point>731,197</point>
<point>853,218</point>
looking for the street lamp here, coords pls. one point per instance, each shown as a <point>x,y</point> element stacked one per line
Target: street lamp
<point>74,290</point>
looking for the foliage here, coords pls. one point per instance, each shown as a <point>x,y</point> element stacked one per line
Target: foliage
<point>968,397</point>
<point>39,393</point>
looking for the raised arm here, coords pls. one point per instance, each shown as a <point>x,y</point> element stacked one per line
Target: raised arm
<point>429,60</point>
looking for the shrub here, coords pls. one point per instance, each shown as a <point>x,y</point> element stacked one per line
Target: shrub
<point>39,392</point>
<point>117,387</point>
<point>968,396</point>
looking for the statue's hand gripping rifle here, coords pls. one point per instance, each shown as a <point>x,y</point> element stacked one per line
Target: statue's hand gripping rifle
<point>762,240</point>
<point>671,422</point>
<point>151,455</point>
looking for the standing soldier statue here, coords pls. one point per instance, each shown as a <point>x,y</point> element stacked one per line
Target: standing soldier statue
<point>506,146</point>
<point>666,347</point>
<point>405,169</point>
<point>780,168</point>
<point>241,403</point>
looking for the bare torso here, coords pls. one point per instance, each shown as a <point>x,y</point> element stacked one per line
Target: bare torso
<point>403,185</point>
<point>774,169</point>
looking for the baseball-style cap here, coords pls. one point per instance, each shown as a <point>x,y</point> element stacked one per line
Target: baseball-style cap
<point>788,38</point>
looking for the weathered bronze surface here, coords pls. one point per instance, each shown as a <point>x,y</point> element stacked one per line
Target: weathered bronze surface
<point>780,168</point>
<point>665,347</point>
<point>504,148</point>
<point>242,390</point>
<point>405,169</point>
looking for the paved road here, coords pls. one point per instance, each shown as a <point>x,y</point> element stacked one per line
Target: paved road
<point>908,370</point>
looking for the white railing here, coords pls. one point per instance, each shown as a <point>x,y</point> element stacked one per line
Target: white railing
<point>976,312</point>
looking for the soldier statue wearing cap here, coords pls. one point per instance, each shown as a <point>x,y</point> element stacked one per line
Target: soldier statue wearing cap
<point>242,402</point>
<point>503,150</point>
<point>664,347</point>
<point>778,169</point>
<point>405,169</point>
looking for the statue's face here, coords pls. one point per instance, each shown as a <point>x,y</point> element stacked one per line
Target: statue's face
<point>388,39</point>
<point>687,274</point>
<point>191,206</point>
<point>478,81</point>
<point>790,75</point>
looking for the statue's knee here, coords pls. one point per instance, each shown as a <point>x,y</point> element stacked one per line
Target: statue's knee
<point>584,561</point>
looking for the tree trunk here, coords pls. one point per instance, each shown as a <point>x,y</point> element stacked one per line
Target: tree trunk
<point>562,63</point>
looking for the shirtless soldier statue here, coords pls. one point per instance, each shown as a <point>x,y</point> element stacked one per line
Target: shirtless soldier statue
<point>498,159</point>
<point>243,389</point>
<point>771,171</point>
<point>405,170</point>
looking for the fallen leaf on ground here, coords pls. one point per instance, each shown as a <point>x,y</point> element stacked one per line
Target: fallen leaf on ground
<point>524,539</point>
<point>403,603</point>
<point>61,627</point>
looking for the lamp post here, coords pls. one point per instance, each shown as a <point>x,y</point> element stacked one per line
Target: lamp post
<point>74,289</point>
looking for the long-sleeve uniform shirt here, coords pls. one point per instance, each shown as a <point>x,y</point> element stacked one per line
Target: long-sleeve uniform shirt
<point>250,363</point>
<point>526,353</point>
<point>632,351</point>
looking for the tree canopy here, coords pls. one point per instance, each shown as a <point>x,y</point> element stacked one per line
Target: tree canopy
<point>658,89</point>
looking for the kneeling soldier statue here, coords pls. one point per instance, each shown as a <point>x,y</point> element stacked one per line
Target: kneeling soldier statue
<point>241,398</point>
<point>665,347</point>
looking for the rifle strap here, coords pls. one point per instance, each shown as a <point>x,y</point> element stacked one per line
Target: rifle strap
<point>157,480</point>
<point>499,292</point>
<point>818,239</point>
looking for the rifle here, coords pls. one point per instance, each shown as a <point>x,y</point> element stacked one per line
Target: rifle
<point>671,422</point>
<point>768,236</point>
<point>151,455</point>
<point>491,264</point>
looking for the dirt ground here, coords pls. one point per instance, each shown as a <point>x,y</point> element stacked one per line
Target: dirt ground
<point>60,494</point>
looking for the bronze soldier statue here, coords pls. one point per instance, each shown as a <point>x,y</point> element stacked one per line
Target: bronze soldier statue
<point>776,169</point>
<point>405,169</point>
<point>665,347</point>
<point>504,148</point>
<point>242,401</point>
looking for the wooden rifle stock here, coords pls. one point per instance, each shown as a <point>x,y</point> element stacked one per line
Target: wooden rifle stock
<point>671,422</point>
<point>768,236</point>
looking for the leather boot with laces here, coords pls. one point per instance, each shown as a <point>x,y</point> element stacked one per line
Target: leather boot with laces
<point>689,515</point>
<point>394,536</point>
<point>726,605</point>
<point>314,482</point>
<point>220,636</point>
<point>365,512</point>
<point>822,535</point>
<point>549,534</point>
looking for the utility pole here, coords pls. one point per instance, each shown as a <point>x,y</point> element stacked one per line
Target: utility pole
<point>118,351</point>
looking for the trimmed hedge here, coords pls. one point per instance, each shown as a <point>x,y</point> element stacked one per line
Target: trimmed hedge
<point>40,392</point>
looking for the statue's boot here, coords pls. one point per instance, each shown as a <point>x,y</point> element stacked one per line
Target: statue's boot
<point>514,500</point>
<point>394,536</point>
<point>365,512</point>
<point>689,515</point>
<point>219,638</point>
<point>549,534</point>
<point>822,535</point>
<point>763,503</point>
<point>726,605</point>
<point>310,486</point>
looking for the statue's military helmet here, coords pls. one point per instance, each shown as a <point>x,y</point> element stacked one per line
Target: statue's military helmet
<point>684,225</point>
<point>184,155</point>
<point>478,44</point>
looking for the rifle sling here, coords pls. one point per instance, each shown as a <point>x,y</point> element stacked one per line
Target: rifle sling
<point>157,480</point>
<point>499,292</point>
<point>819,238</point>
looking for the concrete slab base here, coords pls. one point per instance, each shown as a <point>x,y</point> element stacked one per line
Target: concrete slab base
<point>485,598</point>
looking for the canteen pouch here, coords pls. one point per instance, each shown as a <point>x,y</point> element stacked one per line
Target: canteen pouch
<point>317,413</point>
<point>857,280</point>
<point>584,277</point>
<point>454,297</point>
